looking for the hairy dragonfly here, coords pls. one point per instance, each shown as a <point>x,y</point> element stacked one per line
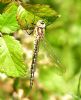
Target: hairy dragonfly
<point>39,32</point>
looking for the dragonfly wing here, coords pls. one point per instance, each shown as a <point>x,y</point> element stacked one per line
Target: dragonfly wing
<point>51,54</point>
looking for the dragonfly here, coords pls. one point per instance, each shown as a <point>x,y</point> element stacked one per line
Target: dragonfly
<point>39,31</point>
<point>39,35</point>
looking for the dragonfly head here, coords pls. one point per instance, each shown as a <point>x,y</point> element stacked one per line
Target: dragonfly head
<point>41,24</point>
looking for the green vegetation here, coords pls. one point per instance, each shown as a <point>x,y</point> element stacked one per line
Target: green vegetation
<point>63,39</point>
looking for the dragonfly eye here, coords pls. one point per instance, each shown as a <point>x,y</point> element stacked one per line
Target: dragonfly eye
<point>41,24</point>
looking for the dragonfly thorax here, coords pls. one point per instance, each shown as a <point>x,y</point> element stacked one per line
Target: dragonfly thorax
<point>39,29</point>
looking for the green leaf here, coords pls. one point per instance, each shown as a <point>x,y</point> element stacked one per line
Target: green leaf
<point>42,11</point>
<point>8,22</point>
<point>5,1</point>
<point>2,7</point>
<point>11,57</point>
<point>25,18</point>
<point>11,8</point>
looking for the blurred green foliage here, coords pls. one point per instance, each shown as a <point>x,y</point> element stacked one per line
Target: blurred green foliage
<point>65,37</point>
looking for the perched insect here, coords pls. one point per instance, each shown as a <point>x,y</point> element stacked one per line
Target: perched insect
<point>39,32</point>
<point>39,35</point>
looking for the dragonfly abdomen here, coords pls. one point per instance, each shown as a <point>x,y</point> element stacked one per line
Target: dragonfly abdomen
<point>34,60</point>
